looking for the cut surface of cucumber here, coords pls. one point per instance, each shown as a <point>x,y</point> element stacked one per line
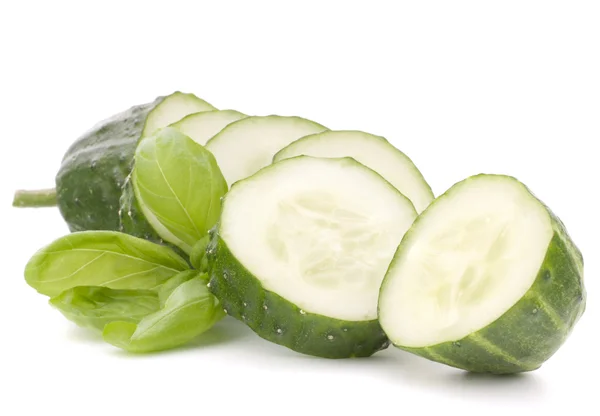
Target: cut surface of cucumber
<point>200,127</point>
<point>375,152</point>
<point>173,108</point>
<point>301,250</point>
<point>486,279</point>
<point>247,145</point>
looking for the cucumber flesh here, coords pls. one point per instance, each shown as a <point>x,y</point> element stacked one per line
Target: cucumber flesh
<point>306,270</point>
<point>173,108</point>
<point>248,145</point>
<point>202,126</point>
<point>486,280</point>
<point>375,152</point>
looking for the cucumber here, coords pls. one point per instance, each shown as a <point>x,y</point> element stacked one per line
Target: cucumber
<point>487,280</point>
<point>172,108</point>
<point>94,169</point>
<point>372,151</point>
<point>248,145</point>
<point>300,252</point>
<point>200,127</point>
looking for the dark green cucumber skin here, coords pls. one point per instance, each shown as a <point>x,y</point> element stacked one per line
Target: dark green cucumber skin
<point>280,321</point>
<point>95,168</point>
<point>531,331</point>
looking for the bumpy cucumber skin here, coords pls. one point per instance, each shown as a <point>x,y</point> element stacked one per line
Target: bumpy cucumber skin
<point>280,321</point>
<point>534,328</point>
<point>94,169</point>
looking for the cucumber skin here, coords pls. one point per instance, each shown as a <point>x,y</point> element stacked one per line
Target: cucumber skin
<point>94,170</point>
<point>280,321</point>
<point>534,328</point>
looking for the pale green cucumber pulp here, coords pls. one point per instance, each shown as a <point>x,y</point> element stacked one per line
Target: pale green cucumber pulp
<point>173,108</point>
<point>248,145</point>
<point>202,126</point>
<point>375,152</point>
<point>487,280</point>
<point>300,252</point>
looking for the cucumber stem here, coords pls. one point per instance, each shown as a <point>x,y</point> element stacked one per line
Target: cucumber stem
<point>35,199</point>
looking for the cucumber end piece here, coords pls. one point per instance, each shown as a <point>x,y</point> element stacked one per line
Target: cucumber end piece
<point>486,280</point>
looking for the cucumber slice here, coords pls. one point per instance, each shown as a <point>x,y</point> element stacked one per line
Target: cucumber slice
<point>487,280</point>
<point>247,145</point>
<point>375,152</point>
<point>173,108</point>
<point>301,250</point>
<point>200,127</point>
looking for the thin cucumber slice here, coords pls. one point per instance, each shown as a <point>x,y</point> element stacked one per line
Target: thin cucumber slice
<point>248,145</point>
<point>202,126</point>
<point>375,152</point>
<point>487,280</point>
<point>173,108</point>
<point>301,250</point>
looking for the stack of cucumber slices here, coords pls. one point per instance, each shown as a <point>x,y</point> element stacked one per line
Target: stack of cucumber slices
<point>330,243</point>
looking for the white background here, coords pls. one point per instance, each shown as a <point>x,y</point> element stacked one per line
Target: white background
<point>461,87</point>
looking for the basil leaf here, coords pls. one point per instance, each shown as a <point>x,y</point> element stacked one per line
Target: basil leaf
<point>101,258</point>
<point>198,254</point>
<point>166,289</point>
<point>178,185</point>
<point>94,307</point>
<point>189,311</point>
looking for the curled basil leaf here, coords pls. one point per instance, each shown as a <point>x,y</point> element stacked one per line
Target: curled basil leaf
<point>187,312</point>
<point>198,254</point>
<point>101,258</point>
<point>178,185</point>
<point>94,307</point>
<point>165,290</point>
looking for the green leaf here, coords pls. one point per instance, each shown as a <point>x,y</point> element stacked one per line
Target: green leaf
<point>178,185</point>
<point>94,307</point>
<point>101,258</point>
<point>189,311</point>
<point>166,289</point>
<point>198,254</point>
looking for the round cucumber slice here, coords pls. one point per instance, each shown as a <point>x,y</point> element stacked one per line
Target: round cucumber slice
<point>173,108</point>
<point>301,250</point>
<point>247,145</point>
<point>375,152</point>
<point>200,127</point>
<point>487,280</point>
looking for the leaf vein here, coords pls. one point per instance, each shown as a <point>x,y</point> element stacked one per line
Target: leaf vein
<point>177,197</point>
<point>116,254</point>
